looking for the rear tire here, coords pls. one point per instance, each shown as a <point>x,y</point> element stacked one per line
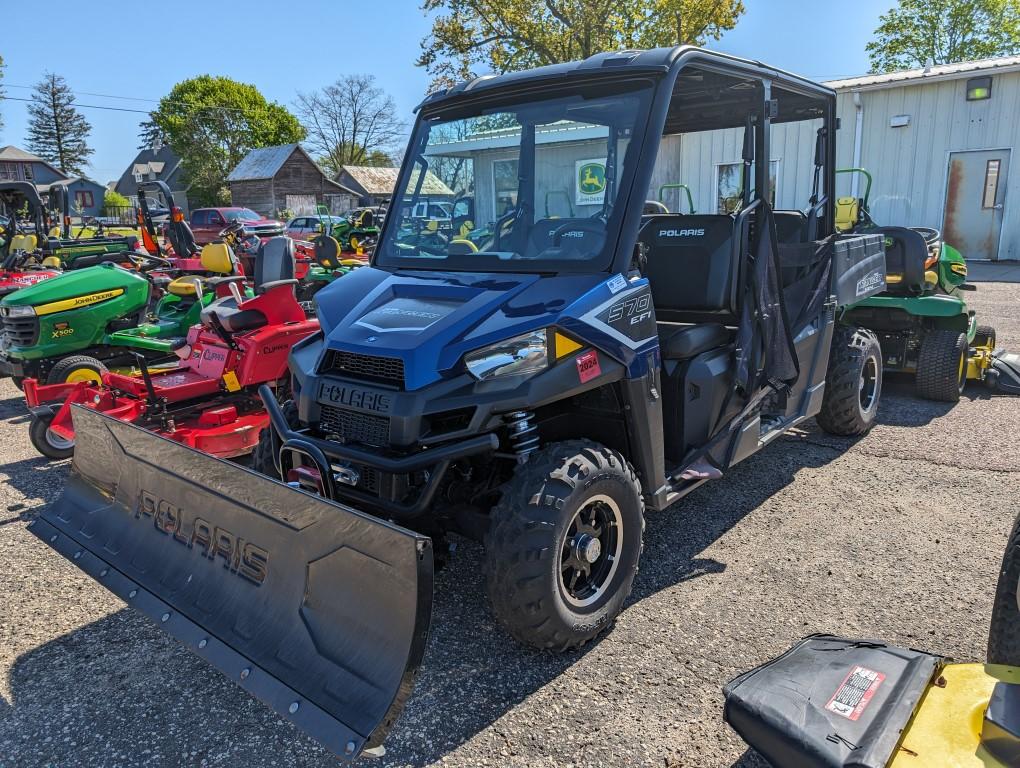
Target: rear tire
<point>984,336</point>
<point>263,458</point>
<point>853,383</point>
<point>50,445</point>
<point>942,366</point>
<point>77,368</point>
<point>1004,633</point>
<point>564,544</point>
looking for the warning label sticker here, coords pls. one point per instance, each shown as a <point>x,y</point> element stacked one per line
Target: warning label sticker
<point>588,366</point>
<point>854,693</point>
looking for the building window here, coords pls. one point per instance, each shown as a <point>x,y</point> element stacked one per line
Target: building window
<point>979,88</point>
<point>505,184</point>
<point>83,199</point>
<point>8,171</point>
<point>27,170</point>
<point>729,191</point>
<point>991,184</point>
<point>139,177</point>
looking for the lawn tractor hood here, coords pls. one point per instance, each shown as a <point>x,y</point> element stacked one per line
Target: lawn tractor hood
<point>90,285</point>
<point>432,319</point>
<point>317,609</point>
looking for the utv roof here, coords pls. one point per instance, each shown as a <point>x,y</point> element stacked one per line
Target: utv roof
<point>616,64</point>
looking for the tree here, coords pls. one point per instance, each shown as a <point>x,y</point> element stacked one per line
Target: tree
<point>920,32</point>
<point>114,199</point>
<point>58,132</point>
<point>212,123</point>
<point>505,35</point>
<point>351,122</point>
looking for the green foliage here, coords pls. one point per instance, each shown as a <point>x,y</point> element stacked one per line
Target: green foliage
<point>113,199</point>
<point>506,35</point>
<point>58,132</point>
<point>212,123</point>
<point>918,32</point>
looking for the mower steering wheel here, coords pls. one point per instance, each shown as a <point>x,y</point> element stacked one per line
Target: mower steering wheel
<point>147,263</point>
<point>596,228</point>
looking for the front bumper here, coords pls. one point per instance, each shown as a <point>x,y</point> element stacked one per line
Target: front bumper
<point>325,454</point>
<point>11,367</point>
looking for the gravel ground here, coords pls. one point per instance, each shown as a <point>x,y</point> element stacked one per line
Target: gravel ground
<point>898,536</point>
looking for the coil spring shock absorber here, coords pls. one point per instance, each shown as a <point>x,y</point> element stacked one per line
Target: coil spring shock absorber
<point>523,433</point>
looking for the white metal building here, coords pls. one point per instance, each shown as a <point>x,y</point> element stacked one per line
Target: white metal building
<point>939,143</point>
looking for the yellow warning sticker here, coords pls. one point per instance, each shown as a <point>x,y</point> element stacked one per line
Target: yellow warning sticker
<point>230,379</point>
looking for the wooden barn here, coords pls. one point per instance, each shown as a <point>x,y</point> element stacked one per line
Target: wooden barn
<point>273,180</point>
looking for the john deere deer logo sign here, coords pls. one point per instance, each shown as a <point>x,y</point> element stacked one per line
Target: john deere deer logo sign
<point>591,182</point>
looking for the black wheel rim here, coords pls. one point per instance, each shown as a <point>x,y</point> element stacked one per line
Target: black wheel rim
<point>869,384</point>
<point>590,551</point>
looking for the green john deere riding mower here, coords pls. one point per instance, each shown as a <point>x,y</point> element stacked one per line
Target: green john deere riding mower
<point>922,319</point>
<point>74,326</point>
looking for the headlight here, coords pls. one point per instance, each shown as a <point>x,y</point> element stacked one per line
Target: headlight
<point>19,311</point>
<point>525,354</point>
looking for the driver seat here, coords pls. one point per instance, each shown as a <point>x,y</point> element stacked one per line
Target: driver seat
<point>327,252</point>
<point>274,267</point>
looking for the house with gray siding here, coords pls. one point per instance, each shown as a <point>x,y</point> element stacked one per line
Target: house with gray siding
<point>272,180</point>
<point>155,164</point>
<point>18,165</point>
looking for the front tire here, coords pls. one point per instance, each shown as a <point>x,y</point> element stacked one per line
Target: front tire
<point>77,368</point>
<point>564,544</point>
<point>1004,633</point>
<point>853,383</point>
<point>49,444</point>
<point>942,366</point>
<point>263,458</point>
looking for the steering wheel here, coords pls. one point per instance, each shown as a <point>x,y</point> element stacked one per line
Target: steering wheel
<point>233,229</point>
<point>595,227</point>
<point>147,263</point>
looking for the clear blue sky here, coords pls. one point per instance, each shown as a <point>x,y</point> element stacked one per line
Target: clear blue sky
<point>139,50</point>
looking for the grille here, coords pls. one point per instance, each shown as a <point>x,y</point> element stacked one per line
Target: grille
<point>20,331</point>
<point>353,427</point>
<point>388,370</point>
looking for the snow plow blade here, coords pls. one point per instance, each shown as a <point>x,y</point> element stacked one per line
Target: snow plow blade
<point>317,609</point>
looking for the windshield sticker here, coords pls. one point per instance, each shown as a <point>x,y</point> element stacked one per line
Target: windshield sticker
<point>855,692</point>
<point>617,283</point>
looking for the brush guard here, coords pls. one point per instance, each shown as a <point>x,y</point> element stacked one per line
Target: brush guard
<point>317,609</point>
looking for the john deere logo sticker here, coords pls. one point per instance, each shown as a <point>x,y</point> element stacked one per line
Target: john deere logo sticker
<point>78,301</point>
<point>591,182</point>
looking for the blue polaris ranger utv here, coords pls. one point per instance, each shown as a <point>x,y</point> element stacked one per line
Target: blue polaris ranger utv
<point>540,389</point>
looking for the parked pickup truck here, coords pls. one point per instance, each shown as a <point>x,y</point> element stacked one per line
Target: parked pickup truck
<point>207,223</point>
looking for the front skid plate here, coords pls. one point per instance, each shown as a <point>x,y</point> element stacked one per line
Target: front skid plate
<point>319,610</point>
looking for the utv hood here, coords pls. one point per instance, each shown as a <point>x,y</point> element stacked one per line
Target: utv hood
<point>432,319</point>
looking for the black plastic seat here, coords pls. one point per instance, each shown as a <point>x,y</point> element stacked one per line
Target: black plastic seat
<point>230,317</point>
<point>275,262</point>
<point>692,264</point>
<point>906,252</point>
<point>685,342</point>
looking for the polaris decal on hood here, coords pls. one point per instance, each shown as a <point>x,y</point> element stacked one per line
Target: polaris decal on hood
<point>404,314</point>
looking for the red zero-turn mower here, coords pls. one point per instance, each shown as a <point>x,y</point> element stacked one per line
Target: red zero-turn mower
<point>209,402</point>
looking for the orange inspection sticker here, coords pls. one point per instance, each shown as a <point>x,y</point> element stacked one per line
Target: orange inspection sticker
<point>854,693</point>
<point>588,366</point>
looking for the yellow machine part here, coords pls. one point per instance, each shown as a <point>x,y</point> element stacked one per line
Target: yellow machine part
<point>189,285</point>
<point>848,212</point>
<point>979,361</point>
<point>52,262</point>
<point>945,731</point>
<point>216,257</point>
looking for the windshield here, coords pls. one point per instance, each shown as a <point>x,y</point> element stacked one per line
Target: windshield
<point>536,183</point>
<point>242,215</point>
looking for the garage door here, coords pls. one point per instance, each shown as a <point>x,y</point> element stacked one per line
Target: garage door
<point>301,205</point>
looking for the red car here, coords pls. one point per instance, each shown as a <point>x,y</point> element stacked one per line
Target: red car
<point>207,223</point>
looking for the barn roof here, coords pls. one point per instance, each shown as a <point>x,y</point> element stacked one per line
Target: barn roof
<point>382,181</point>
<point>262,163</point>
<point>934,73</point>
